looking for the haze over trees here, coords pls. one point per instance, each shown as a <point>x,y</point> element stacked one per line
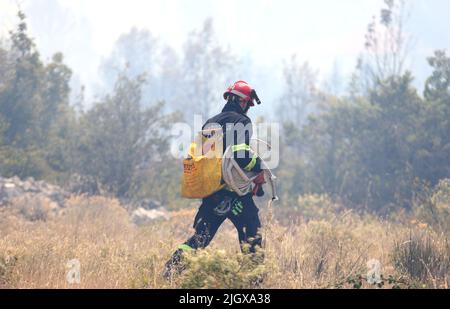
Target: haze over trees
<point>373,146</point>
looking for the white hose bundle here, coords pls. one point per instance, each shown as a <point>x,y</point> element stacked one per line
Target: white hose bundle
<point>241,181</point>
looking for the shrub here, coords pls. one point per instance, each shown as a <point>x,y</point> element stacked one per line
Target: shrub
<point>96,217</point>
<point>433,205</point>
<point>332,250</point>
<point>317,206</point>
<point>422,257</point>
<point>7,263</point>
<point>219,270</point>
<point>35,208</point>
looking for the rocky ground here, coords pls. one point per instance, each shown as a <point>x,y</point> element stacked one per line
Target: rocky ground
<point>39,200</point>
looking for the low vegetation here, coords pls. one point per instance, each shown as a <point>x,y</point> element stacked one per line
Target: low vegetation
<point>301,252</point>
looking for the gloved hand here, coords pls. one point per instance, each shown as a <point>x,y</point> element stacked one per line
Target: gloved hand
<point>259,181</point>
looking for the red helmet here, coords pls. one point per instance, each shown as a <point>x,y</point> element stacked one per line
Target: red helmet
<point>241,89</point>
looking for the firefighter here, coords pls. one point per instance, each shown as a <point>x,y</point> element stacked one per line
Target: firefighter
<point>226,204</point>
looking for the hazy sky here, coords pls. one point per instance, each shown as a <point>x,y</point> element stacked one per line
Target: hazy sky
<point>264,31</point>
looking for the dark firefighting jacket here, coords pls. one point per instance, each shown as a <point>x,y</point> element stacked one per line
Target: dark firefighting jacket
<point>237,133</point>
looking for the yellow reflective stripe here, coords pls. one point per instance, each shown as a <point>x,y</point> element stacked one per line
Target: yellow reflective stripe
<point>185,247</point>
<point>252,164</point>
<point>241,147</point>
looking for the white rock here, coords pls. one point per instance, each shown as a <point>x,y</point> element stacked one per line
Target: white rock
<point>143,216</point>
<point>9,186</point>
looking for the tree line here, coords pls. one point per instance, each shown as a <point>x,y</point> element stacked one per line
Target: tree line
<point>371,146</point>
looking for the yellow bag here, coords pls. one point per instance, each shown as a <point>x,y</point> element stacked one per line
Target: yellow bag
<point>202,175</point>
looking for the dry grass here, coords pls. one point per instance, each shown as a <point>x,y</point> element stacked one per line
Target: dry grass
<point>114,253</point>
